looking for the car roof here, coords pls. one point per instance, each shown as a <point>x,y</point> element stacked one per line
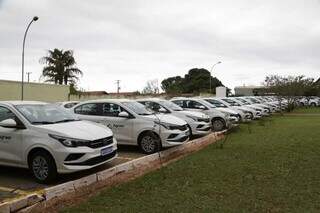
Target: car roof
<point>22,102</point>
<point>108,100</point>
<point>150,99</point>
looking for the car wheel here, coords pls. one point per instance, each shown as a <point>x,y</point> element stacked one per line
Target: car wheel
<point>313,104</point>
<point>251,115</point>
<point>43,167</point>
<point>149,143</point>
<point>218,125</point>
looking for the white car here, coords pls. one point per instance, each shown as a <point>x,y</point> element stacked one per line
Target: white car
<point>233,102</point>
<point>244,114</point>
<point>133,124</point>
<point>198,122</point>
<point>263,111</point>
<point>219,120</point>
<point>49,140</point>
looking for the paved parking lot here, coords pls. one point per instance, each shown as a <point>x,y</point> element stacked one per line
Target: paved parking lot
<point>16,182</point>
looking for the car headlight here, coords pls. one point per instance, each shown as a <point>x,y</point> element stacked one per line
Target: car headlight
<point>69,142</point>
<point>165,125</point>
<point>191,117</point>
<point>171,126</point>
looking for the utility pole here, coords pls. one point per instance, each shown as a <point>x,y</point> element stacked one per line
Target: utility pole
<point>118,86</point>
<point>28,74</point>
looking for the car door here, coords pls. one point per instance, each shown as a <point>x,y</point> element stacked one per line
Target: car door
<point>10,140</point>
<point>121,127</point>
<point>107,114</point>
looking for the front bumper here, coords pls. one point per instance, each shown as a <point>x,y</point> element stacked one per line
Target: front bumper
<point>200,128</point>
<point>174,137</point>
<point>82,158</point>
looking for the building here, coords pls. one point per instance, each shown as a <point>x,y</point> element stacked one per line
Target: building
<point>249,90</point>
<point>11,90</point>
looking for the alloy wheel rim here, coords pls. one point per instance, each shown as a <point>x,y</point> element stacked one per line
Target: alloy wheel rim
<point>217,125</point>
<point>148,144</point>
<point>40,167</point>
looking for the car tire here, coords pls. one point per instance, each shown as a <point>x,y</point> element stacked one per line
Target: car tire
<point>251,115</point>
<point>190,130</point>
<point>43,167</point>
<point>149,143</point>
<point>313,104</point>
<point>218,124</point>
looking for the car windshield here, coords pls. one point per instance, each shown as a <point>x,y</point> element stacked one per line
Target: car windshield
<point>255,101</point>
<point>40,114</point>
<point>171,105</point>
<point>231,102</point>
<point>243,101</point>
<point>138,108</point>
<point>216,103</point>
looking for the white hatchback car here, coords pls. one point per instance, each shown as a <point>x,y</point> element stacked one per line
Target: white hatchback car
<point>198,122</point>
<point>133,124</point>
<point>49,140</point>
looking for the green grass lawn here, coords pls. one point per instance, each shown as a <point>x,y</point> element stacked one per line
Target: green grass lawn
<point>308,110</point>
<point>275,168</point>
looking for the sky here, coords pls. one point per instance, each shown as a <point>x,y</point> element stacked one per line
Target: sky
<point>140,40</point>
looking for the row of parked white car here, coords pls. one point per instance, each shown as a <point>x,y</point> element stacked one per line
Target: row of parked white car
<point>67,137</point>
<point>308,101</point>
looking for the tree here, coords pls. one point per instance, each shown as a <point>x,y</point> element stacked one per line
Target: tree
<point>289,87</point>
<point>196,81</point>
<point>172,85</point>
<point>151,87</point>
<point>60,67</point>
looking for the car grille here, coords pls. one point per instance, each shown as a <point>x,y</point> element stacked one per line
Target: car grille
<point>101,142</point>
<point>94,161</point>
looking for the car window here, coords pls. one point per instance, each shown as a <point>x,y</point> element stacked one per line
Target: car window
<point>178,102</point>
<point>88,109</point>
<point>6,114</point>
<point>194,105</point>
<point>216,103</point>
<point>154,106</point>
<point>111,109</point>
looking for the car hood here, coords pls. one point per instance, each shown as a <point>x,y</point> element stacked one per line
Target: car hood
<point>167,119</point>
<point>193,114</point>
<point>84,130</point>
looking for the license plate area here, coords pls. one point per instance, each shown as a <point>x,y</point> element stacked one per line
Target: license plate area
<point>106,151</point>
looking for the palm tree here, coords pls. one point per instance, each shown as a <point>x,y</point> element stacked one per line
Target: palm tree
<point>60,67</point>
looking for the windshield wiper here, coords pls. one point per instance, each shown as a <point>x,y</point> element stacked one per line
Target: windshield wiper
<point>66,120</point>
<point>42,122</point>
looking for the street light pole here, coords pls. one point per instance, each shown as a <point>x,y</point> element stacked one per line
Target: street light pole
<point>219,62</point>
<point>24,41</point>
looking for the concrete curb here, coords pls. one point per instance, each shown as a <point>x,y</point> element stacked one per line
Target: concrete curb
<point>118,174</point>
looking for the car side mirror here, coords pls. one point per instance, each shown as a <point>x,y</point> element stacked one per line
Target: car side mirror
<point>202,107</point>
<point>123,114</point>
<point>8,123</point>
